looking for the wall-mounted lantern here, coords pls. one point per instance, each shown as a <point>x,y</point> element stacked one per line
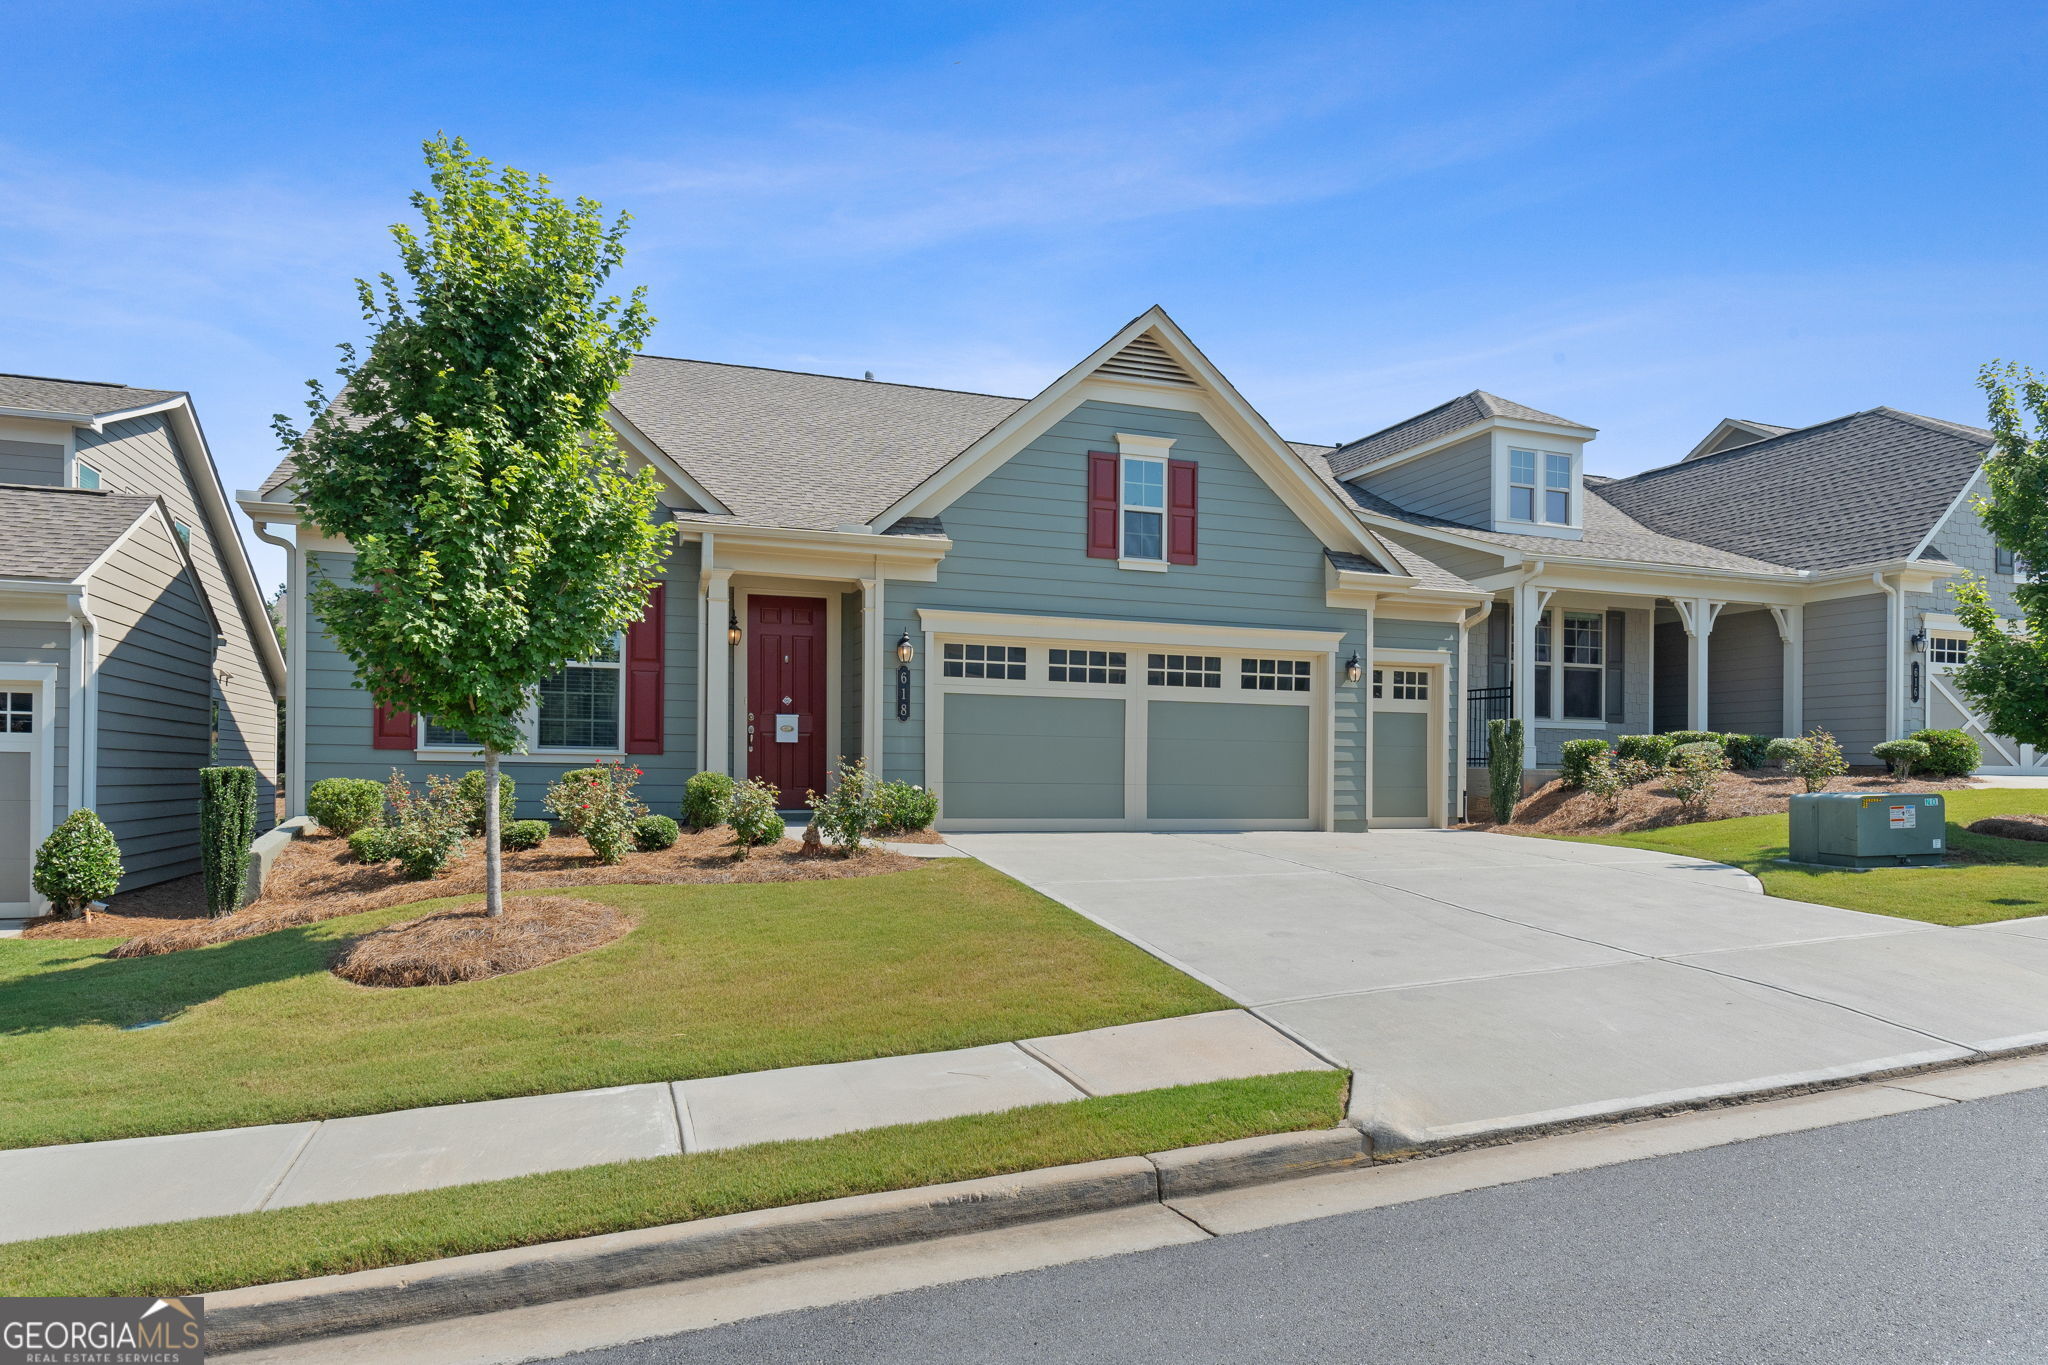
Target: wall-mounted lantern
<point>905,651</point>
<point>1353,670</point>
<point>732,629</point>
<point>1919,639</point>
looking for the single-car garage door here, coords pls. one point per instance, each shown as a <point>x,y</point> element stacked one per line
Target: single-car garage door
<point>1226,761</point>
<point>1010,757</point>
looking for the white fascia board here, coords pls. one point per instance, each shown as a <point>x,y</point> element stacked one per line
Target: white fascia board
<point>227,536</point>
<point>75,419</point>
<point>1962,496</point>
<point>1465,433</point>
<point>645,447</point>
<point>1216,400</point>
<point>1510,555</point>
<point>939,621</point>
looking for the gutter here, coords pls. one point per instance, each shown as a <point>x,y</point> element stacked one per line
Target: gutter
<point>294,678</point>
<point>84,702</point>
<point>1894,635</point>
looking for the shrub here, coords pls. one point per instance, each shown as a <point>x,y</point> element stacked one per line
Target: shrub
<point>1950,753</point>
<point>1601,775</point>
<point>1678,737</point>
<point>707,800</point>
<point>227,825</point>
<point>1902,755</point>
<point>1504,768</point>
<point>1578,758</point>
<point>653,833</point>
<point>1694,773</point>
<point>78,864</point>
<point>1816,758</point>
<point>1746,751</point>
<point>344,805</point>
<point>753,816</point>
<point>1654,750</point>
<point>427,828</point>
<point>904,807</point>
<point>372,843</point>
<point>472,788</point>
<point>561,798</point>
<point>1635,771</point>
<point>523,834</point>
<point>846,813</point>
<point>598,803</point>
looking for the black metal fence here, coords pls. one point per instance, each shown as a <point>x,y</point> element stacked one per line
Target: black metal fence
<point>1483,704</point>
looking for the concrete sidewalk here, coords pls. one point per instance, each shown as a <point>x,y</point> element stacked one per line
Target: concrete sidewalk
<point>81,1187</point>
<point>1478,984</point>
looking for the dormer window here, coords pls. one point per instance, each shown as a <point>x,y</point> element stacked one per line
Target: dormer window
<point>1553,495</point>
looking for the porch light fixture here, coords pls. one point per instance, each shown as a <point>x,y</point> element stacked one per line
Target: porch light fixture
<point>905,651</point>
<point>732,629</point>
<point>1353,669</point>
<point>1919,641</point>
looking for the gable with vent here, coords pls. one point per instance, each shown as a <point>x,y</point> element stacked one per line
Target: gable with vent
<point>1145,358</point>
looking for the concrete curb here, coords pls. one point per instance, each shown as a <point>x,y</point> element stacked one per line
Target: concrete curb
<point>263,853</point>
<point>333,1305</point>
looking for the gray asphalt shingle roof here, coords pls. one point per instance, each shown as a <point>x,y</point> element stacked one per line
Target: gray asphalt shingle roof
<point>1460,412</point>
<point>75,395</point>
<point>56,533</point>
<point>1857,490</point>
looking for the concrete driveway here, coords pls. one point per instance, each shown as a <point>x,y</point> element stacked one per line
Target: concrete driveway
<point>1480,983</point>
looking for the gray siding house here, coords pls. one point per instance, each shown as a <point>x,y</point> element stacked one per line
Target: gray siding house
<point>134,648</point>
<point>1127,603</point>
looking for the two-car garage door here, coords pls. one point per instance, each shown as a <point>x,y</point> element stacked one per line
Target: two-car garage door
<point>1222,740</point>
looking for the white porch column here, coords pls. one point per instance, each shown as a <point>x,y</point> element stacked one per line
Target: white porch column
<point>1792,690</point>
<point>717,667</point>
<point>876,682</point>
<point>1698,615</point>
<point>1529,604</point>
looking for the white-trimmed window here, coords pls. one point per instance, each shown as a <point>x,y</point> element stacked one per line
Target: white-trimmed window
<point>1407,684</point>
<point>1571,665</point>
<point>1273,675</point>
<point>1104,666</point>
<point>1947,650</point>
<point>88,477</point>
<point>1141,508</point>
<point>983,661</point>
<point>1540,481</point>
<point>583,707</point>
<point>1184,670</point>
<point>18,713</point>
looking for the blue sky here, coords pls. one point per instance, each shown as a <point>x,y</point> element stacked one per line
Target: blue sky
<point>1645,217</point>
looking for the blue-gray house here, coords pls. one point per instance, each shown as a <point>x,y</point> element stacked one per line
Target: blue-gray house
<point>1127,603</point>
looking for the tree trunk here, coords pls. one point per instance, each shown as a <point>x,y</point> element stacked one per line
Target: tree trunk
<point>494,857</point>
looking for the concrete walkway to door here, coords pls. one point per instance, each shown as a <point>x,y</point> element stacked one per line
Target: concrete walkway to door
<point>1481,983</point>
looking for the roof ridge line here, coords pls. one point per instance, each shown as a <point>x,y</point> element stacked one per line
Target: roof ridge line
<point>815,374</point>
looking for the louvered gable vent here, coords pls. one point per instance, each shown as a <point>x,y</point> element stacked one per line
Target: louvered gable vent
<point>1145,358</point>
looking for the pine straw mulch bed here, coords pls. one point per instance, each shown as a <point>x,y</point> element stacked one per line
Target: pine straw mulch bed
<point>316,879</point>
<point>465,944</point>
<point>2012,827</point>
<point>1557,809</point>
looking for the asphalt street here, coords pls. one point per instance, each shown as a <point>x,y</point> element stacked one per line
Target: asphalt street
<point>1919,1238</point>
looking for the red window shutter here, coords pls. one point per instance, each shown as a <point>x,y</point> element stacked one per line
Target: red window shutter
<point>1181,501</point>
<point>1102,501</point>
<point>391,729</point>
<point>643,677</point>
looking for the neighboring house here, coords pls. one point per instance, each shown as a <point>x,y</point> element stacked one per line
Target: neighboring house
<point>1127,603</point>
<point>134,648</point>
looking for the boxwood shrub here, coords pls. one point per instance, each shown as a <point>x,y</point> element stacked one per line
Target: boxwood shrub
<point>344,805</point>
<point>1654,750</point>
<point>372,844</point>
<point>652,833</point>
<point>1578,759</point>
<point>1714,737</point>
<point>1950,753</point>
<point>523,834</point>
<point>1746,751</point>
<point>227,826</point>
<point>707,801</point>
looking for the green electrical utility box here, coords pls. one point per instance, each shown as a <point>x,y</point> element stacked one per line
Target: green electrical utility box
<point>1845,829</point>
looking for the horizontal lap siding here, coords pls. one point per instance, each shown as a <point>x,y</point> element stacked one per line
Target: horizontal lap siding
<point>1455,484</point>
<point>1844,673</point>
<point>47,642</point>
<point>142,456</point>
<point>337,718</point>
<point>36,462</point>
<point>1745,675</point>
<point>155,695</point>
<point>1020,547</point>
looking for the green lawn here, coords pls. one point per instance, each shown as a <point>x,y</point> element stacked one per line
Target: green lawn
<point>715,979</point>
<point>2002,878</point>
<point>321,1239</point>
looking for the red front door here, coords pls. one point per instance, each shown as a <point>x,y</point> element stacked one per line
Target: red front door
<point>786,678</point>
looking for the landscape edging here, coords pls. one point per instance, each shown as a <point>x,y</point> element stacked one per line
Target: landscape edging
<point>461,1286</point>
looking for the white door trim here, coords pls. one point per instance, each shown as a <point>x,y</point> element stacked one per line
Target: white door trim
<point>40,746</point>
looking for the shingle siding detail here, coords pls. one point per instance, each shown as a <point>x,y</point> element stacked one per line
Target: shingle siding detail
<point>1963,540</point>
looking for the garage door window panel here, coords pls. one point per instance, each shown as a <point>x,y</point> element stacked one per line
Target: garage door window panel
<point>1273,675</point>
<point>1005,662</point>
<point>1184,670</point>
<point>1102,667</point>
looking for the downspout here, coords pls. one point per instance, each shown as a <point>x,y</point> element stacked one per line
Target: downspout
<point>294,675</point>
<point>84,755</point>
<point>1894,632</point>
<point>1466,625</point>
<point>1523,697</point>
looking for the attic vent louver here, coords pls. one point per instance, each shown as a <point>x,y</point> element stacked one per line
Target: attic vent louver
<point>1145,358</point>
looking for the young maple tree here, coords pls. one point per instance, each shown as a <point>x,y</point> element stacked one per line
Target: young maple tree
<point>2006,676</point>
<point>498,535</point>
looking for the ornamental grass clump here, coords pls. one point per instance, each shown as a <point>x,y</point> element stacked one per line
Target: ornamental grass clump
<point>344,805</point>
<point>78,864</point>
<point>599,804</point>
<point>754,818</point>
<point>846,813</point>
<point>227,826</point>
<point>427,828</point>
